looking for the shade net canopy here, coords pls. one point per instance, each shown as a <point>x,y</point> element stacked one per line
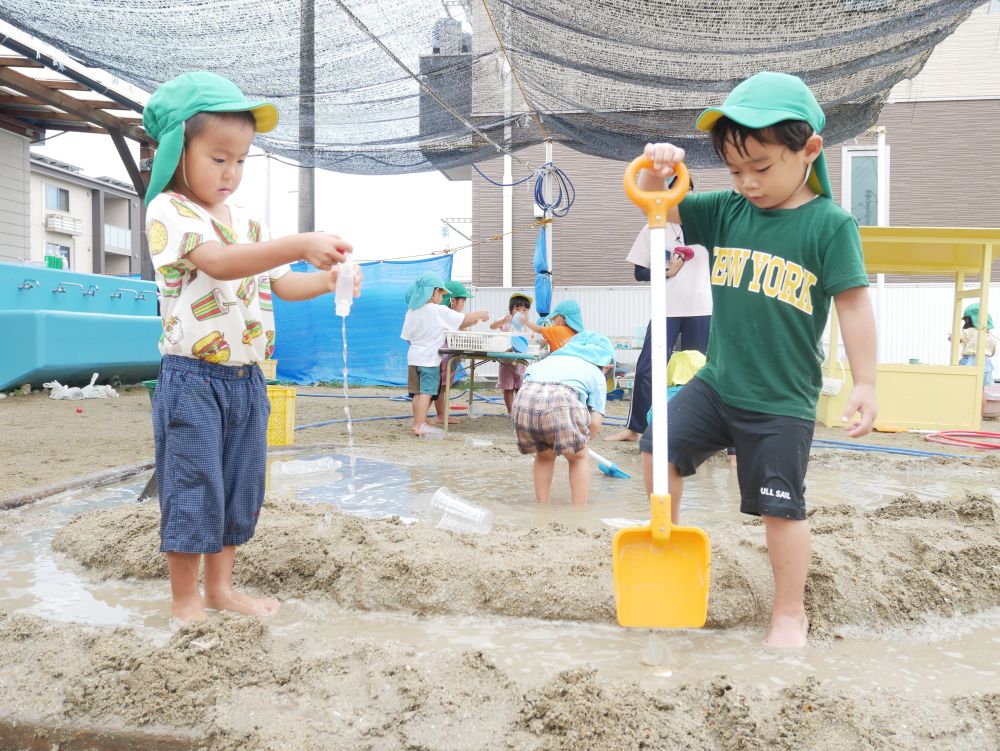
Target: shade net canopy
<point>396,86</point>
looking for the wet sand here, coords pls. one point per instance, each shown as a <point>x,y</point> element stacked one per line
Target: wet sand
<point>257,684</point>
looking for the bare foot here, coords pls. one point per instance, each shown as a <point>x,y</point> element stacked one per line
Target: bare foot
<point>183,614</point>
<point>238,602</point>
<point>623,435</point>
<point>787,632</point>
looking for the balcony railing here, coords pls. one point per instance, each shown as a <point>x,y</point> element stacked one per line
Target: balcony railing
<point>67,225</point>
<point>117,239</point>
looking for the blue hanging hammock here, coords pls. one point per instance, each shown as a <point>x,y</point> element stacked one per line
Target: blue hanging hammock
<point>543,279</point>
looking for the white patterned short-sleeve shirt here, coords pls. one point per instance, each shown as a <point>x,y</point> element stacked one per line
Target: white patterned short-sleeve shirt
<point>227,322</point>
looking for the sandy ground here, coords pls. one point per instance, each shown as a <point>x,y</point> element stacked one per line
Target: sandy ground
<point>238,683</point>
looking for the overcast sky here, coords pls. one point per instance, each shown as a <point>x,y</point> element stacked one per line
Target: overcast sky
<point>355,207</point>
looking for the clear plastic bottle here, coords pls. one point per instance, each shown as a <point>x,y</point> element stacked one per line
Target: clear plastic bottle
<point>344,294</point>
<point>445,510</point>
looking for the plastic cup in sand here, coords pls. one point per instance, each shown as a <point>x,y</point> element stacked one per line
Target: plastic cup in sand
<point>445,510</point>
<point>476,410</point>
<point>429,431</point>
<point>478,443</point>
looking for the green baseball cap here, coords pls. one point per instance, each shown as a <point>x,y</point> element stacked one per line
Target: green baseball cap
<point>455,289</point>
<point>182,97</point>
<point>766,99</point>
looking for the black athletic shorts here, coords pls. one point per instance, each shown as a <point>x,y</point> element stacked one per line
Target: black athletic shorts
<point>772,450</point>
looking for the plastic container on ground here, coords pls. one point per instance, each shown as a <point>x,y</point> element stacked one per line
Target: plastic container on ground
<point>991,402</point>
<point>344,294</point>
<point>429,431</point>
<point>476,411</point>
<point>301,467</point>
<point>281,424</point>
<point>478,443</point>
<point>445,510</point>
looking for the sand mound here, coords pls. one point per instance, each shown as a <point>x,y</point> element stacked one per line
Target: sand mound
<point>889,567</point>
<point>226,684</point>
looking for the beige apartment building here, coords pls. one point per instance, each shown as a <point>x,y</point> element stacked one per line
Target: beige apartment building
<point>91,223</point>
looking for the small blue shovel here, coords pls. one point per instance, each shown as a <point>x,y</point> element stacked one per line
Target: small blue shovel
<point>609,468</point>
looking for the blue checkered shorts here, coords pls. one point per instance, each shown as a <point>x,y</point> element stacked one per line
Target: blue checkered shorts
<point>210,428</point>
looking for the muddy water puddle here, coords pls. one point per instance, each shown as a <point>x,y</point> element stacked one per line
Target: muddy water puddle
<point>943,657</point>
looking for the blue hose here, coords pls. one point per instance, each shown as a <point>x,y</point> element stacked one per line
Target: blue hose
<point>884,449</point>
<point>344,419</point>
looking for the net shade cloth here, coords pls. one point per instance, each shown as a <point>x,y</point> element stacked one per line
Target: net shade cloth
<point>402,86</point>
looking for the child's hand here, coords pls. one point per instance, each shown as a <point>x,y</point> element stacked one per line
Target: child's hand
<point>481,316</point>
<point>861,401</point>
<point>323,250</point>
<point>664,156</point>
<point>684,253</point>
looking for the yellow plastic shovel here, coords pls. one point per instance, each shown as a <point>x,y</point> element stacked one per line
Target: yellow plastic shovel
<point>661,571</point>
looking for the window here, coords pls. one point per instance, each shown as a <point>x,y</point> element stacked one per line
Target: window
<point>56,198</point>
<point>58,251</point>
<point>865,185</point>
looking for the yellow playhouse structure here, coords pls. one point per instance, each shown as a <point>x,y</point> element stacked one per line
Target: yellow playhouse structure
<point>929,397</point>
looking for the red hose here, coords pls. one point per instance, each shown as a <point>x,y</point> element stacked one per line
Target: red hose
<point>958,438</point>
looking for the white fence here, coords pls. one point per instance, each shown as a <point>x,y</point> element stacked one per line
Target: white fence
<point>914,320</point>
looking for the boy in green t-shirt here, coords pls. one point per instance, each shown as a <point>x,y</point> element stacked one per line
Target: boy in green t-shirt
<point>781,249</point>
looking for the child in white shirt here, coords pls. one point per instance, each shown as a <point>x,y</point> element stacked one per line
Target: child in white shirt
<point>424,328</point>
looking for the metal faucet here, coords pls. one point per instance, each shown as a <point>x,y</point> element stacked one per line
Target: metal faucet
<point>28,284</point>
<point>62,289</point>
<point>138,295</point>
<point>91,290</point>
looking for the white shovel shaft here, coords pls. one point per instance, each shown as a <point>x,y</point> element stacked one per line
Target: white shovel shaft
<point>658,317</point>
<point>598,458</point>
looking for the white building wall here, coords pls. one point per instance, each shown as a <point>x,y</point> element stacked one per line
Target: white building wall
<point>14,204</point>
<point>966,65</point>
<point>915,325</point>
<point>80,208</point>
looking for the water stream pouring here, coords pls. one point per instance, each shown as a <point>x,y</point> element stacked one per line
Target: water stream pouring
<point>343,298</point>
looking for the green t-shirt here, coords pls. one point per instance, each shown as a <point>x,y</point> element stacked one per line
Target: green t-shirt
<point>773,274</point>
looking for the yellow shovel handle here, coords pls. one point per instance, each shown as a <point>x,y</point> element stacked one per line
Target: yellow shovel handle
<point>659,517</point>
<point>655,203</point>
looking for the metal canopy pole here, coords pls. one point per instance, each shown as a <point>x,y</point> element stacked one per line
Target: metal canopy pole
<point>307,115</point>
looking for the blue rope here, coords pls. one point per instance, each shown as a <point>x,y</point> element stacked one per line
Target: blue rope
<point>567,193</point>
<point>490,180</point>
<point>564,199</point>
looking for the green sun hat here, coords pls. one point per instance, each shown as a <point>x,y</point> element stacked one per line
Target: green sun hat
<point>182,97</point>
<point>455,289</point>
<point>766,99</point>
<point>972,311</point>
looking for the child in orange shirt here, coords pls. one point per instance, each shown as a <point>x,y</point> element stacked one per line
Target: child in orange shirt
<point>565,322</point>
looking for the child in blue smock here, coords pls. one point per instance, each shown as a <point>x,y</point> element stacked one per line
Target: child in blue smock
<point>559,409</point>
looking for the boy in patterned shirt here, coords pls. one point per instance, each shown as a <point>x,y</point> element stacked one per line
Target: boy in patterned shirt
<point>216,269</point>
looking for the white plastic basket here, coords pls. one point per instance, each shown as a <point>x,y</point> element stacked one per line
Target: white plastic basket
<point>479,341</point>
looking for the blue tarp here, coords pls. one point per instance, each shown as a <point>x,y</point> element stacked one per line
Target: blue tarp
<point>543,279</point>
<point>308,344</point>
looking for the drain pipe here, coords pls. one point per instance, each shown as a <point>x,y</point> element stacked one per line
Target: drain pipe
<point>96,479</point>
